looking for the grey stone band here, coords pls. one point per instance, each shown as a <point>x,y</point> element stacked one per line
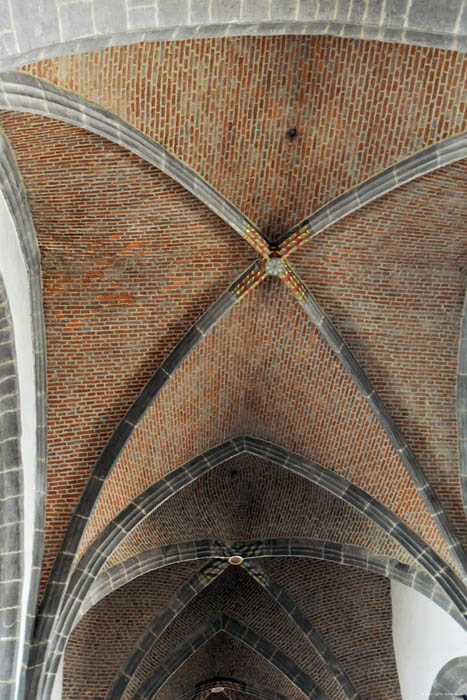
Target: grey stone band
<point>56,630</point>
<point>345,554</point>
<point>26,93</point>
<point>462,405</point>
<point>35,30</point>
<point>451,681</point>
<point>202,690</point>
<point>190,590</point>
<point>323,324</point>
<point>186,593</point>
<point>15,196</point>
<point>425,161</point>
<point>11,506</point>
<point>61,571</point>
<point>224,623</point>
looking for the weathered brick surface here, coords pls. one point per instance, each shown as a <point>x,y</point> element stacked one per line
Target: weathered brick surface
<point>249,498</point>
<point>111,231</point>
<point>360,634</point>
<point>392,277</point>
<point>104,638</point>
<point>289,389</point>
<point>225,656</point>
<point>238,595</point>
<point>224,106</point>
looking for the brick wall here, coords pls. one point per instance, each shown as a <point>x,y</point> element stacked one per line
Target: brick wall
<point>392,276</point>
<point>289,389</point>
<point>351,609</point>
<point>223,106</point>
<point>110,229</point>
<point>249,498</point>
<point>107,634</point>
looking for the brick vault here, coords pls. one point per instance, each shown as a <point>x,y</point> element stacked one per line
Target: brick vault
<point>233,351</point>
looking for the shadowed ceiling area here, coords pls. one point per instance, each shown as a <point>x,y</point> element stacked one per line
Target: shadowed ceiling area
<point>252,405</point>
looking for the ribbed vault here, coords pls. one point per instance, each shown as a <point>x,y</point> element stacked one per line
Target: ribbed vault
<point>211,397</point>
<point>250,498</point>
<point>329,91</point>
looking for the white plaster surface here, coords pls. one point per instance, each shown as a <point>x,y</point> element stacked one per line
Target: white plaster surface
<point>58,685</point>
<point>425,639</point>
<point>13,270</point>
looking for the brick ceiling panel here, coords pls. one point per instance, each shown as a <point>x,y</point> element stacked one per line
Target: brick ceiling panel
<point>224,107</point>
<point>289,389</point>
<point>224,656</point>
<point>392,277</point>
<point>129,261</point>
<point>108,632</point>
<point>248,498</point>
<point>239,596</point>
<point>361,634</point>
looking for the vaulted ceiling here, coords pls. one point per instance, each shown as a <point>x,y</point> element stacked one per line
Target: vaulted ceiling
<point>253,263</point>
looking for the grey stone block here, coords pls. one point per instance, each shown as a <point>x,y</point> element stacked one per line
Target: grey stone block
<point>308,9</point>
<point>110,16</point>
<point>76,20</point>
<point>141,17</point>
<point>462,422</point>
<point>182,350</point>
<point>215,312</point>
<point>199,12</point>
<point>283,10</point>
<point>36,23</point>
<point>442,41</point>
<point>217,455</point>
<point>11,483</point>
<point>357,11</point>
<point>146,397</point>
<point>5,16</point>
<point>327,10</point>
<point>434,16</point>
<point>7,659</point>
<point>7,45</point>
<point>172,14</point>
<point>255,10</point>
<point>113,449</point>
<point>11,563</point>
<point>225,11</point>
<point>395,13</point>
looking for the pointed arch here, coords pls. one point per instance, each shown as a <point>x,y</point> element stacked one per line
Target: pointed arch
<point>190,590</point>
<point>54,641</point>
<point>23,92</point>
<point>224,623</point>
<point>417,165</point>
